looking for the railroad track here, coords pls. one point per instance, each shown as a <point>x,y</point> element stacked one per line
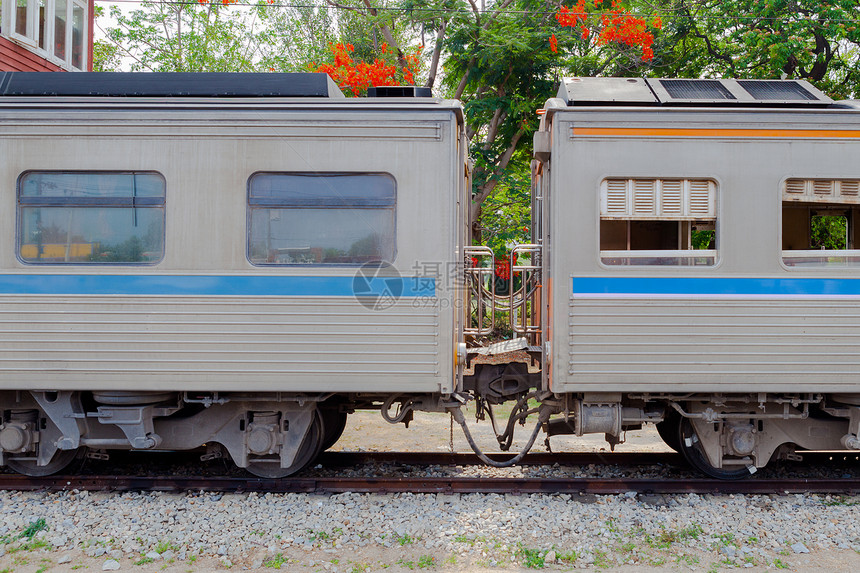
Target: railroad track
<point>452,485</point>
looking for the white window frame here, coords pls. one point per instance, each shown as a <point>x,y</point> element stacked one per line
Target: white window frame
<point>659,199</point>
<point>809,192</point>
<point>31,39</point>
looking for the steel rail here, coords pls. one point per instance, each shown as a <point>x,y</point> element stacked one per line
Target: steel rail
<point>443,485</point>
<point>349,459</point>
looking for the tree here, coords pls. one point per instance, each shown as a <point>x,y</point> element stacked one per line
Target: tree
<point>181,36</point>
<point>815,40</point>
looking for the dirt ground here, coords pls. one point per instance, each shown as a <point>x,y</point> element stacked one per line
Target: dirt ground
<point>367,431</point>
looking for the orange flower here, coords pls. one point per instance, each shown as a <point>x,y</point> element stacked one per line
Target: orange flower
<point>553,43</point>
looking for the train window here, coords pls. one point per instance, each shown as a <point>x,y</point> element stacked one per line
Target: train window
<point>658,222</point>
<point>321,218</point>
<point>90,217</point>
<point>819,222</point>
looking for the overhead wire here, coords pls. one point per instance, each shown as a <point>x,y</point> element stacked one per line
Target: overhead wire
<point>663,13</point>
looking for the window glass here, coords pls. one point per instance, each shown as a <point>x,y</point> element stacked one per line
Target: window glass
<point>330,218</point>
<point>21,17</point>
<point>819,222</point>
<point>77,36</point>
<point>42,23</point>
<point>658,222</point>
<point>60,16</point>
<point>78,217</point>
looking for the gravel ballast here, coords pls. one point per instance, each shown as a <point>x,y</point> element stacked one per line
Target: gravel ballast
<point>353,533</point>
<point>364,532</point>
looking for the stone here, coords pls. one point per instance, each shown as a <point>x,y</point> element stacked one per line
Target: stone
<point>550,556</point>
<point>110,565</point>
<point>154,555</point>
<point>64,559</point>
<point>799,548</point>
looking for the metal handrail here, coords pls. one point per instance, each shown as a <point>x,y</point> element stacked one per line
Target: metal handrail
<point>525,310</point>
<point>475,277</point>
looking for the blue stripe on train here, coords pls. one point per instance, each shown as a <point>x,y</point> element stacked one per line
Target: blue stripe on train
<point>214,285</point>
<point>715,286</point>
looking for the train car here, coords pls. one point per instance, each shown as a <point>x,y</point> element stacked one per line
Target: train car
<point>701,265</point>
<point>235,260</point>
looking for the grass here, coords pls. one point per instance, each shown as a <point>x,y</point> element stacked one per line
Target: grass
<point>276,562</point>
<point>404,539</point>
<point>34,528</point>
<point>601,559</point>
<point>840,500</point>
<point>143,561</point>
<point>164,546</point>
<point>531,558</point>
<point>31,545</point>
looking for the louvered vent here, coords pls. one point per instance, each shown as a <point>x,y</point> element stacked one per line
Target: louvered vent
<point>672,197</point>
<point>615,197</point>
<point>823,188</point>
<point>795,186</point>
<point>838,191</point>
<point>654,199</point>
<point>700,199</point>
<point>849,189</point>
<point>644,197</point>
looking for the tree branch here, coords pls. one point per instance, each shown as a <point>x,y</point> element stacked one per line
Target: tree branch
<point>437,52</point>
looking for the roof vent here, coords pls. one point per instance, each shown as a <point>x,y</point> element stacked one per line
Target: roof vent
<point>727,92</point>
<point>696,89</point>
<point>776,90</point>
<point>399,91</point>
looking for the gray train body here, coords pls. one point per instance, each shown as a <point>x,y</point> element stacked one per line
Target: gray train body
<point>238,327</point>
<point>751,337</point>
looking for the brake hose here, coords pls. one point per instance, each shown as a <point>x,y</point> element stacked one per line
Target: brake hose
<point>457,413</point>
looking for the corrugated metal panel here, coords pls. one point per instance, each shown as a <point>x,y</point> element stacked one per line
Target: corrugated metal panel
<point>199,337</point>
<point>696,337</point>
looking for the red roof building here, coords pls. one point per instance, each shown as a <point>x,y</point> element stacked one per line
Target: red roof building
<point>46,35</point>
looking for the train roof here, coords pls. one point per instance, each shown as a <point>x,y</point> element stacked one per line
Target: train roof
<point>203,91</point>
<point>160,84</point>
<point>580,91</point>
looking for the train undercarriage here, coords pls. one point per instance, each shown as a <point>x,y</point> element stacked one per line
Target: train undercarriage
<point>276,435</point>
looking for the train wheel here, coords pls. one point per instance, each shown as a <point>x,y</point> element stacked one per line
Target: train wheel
<point>334,422</point>
<point>668,429</point>
<point>62,459</point>
<point>691,449</point>
<point>310,448</point>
